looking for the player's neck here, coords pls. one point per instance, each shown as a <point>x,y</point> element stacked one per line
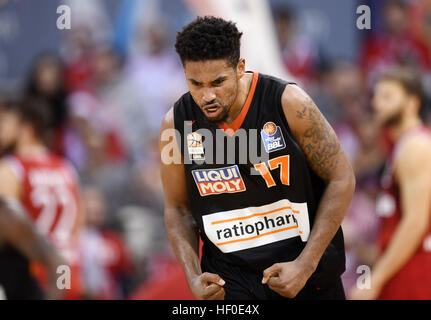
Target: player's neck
<point>406,125</point>
<point>243,91</point>
<point>30,146</point>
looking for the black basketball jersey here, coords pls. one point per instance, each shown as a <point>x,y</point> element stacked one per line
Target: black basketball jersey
<point>251,191</point>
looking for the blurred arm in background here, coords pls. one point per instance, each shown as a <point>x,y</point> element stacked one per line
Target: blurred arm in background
<point>17,230</point>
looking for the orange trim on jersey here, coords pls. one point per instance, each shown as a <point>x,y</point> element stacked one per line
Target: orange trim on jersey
<point>254,215</point>
<point>236,124</point>
<point>255,237</point>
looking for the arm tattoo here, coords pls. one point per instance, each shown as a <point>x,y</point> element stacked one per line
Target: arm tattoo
<point>319,142</point>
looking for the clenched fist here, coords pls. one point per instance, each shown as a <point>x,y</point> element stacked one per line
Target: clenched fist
<point>287,278</point>
<point>208,286</point>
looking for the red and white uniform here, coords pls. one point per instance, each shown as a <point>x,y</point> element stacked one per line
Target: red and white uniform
<point>413,280</point>
<point>50,196</point>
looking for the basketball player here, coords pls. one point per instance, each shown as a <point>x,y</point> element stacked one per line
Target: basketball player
<point>43,184</point>
<point>402,270</point>
<point>270,229</point>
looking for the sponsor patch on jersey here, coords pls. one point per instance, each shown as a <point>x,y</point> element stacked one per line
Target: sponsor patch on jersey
<point>218,181</point>
<point>272,137</point>
<point>195,146</point>
<point>251,227</point>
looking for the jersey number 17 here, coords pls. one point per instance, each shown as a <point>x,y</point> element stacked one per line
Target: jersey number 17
<point>283,162</point>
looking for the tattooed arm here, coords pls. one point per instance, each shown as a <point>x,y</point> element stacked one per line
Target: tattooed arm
<point>320,145</point>
<point>182,233</point>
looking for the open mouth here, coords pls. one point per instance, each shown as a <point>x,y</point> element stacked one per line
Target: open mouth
<point>213,111</point>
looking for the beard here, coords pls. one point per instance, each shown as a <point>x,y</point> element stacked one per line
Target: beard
<point>393,120</point>
<point>225,105</point>
<point>213,123</point>
<point>223,116</point>
<point>6,150</point>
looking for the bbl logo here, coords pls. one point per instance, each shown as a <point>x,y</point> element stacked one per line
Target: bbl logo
<point>272,137</point>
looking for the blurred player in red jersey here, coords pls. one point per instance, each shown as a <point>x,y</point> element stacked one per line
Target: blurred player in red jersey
<point>403,268</point>
<point>45,185</point>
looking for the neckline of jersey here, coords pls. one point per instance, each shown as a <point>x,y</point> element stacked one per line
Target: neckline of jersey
<point>231,128</point>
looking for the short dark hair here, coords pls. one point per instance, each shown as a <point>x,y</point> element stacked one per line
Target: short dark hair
<point>32,111</point>
<point>409,79</point>
<point>209,38</point>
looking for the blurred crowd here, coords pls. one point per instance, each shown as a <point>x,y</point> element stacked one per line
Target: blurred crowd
<point>108,101</point>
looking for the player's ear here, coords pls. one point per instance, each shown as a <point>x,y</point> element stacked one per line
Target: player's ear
<point>415,103</point>
<point>240,68</point>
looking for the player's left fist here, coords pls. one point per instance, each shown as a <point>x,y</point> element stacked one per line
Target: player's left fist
<point>286,278</point>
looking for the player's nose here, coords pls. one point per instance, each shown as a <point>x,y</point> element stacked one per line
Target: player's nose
<point>208,96</point>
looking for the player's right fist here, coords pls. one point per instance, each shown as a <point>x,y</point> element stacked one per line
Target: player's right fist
<point>208,286</point>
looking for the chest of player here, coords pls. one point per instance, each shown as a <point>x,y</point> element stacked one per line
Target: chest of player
<point>247,186</point>
<point>255,161</point>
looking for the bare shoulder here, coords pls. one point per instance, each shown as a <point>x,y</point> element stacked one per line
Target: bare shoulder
<point>172,168</point>
<point>168,120</point>
<point>293,93</point>
<point>6,171</point>
<point>415,156</point>
<point>312,131</point>
<point>9,183</point>
<point>299,107</point>
<point>167,136</point>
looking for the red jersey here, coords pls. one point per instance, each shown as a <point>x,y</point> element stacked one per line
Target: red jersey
<point>50,196</point>
<point>413,280</point>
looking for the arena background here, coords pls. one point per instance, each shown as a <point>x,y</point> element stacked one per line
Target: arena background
<point>116,73</point>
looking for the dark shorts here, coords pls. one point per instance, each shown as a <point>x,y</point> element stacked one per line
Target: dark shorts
<point>243,283</point>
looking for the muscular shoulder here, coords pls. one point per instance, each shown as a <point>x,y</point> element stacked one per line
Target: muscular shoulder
<point>415,156</point>
<point>312,131</point>
<point>168,120</point>
<point>297,104</point>
<point>9,183</point>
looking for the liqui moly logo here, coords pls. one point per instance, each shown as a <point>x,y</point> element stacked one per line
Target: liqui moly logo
<point>217,181</point>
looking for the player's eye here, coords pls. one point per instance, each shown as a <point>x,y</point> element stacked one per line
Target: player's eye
<point>195,83</point>
<point>218,81</point>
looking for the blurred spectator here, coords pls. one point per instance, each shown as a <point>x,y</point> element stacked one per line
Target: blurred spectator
<point>395,44</point>
<point>91,28</point>
<point>347,88</point>
<point>420,20</point>
<point>167,281</point>
<point>361,222</point>
<point>298,53</point>
<point>142,231</point>
<point>76,52</point>
<point>45,81</point>
<point>107,265</point>
<point>158,74</point>
<point>346,99</point>
<point>94,119</point>
<point>158,77</point>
